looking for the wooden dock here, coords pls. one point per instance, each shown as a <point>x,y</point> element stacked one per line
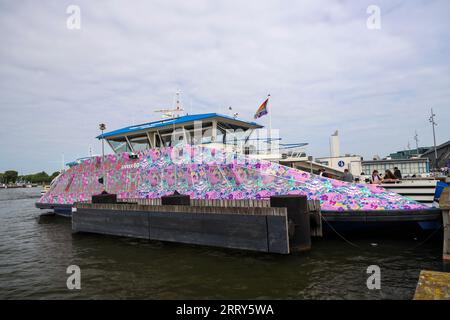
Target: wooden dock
<point>248,224</point>
<point>258,229</point>
<point>313,207</point>
<point>433,285</point>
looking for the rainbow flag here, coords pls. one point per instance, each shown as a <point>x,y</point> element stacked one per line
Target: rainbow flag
<point>262,110</point>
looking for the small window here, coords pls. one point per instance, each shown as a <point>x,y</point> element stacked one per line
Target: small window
<point>139,143</point>
<point>119,145</point>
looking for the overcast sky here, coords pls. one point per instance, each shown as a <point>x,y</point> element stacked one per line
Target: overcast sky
<point>323,67</point>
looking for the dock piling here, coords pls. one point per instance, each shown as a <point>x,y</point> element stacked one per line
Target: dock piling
<point>104,197</point>
<point>444,205</point>
<point>298,220</point>
<point>176,199</point>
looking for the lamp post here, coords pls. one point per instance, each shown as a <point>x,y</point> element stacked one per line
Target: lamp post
<point>434,124</point>
<point>102,127</point>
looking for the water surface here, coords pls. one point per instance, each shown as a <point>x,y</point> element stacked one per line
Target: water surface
<point>35,252</point>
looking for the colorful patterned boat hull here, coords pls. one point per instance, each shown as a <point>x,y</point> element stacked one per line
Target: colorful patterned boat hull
<point>207,173</point>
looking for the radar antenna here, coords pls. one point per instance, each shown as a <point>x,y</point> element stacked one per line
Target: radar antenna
<point>172,113</point>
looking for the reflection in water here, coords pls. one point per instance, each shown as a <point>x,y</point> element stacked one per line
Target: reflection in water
<point>35,252</point>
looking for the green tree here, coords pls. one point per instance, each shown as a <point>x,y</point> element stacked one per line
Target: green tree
<point>1,177</point>
<point>10,176</point>
<point>54,175</point>
<point>40,177</point>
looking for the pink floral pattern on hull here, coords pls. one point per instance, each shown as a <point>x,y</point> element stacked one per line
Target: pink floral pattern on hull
<point>207,173</point>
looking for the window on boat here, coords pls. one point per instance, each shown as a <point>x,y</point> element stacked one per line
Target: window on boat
<point>157,140</point>
<point>179,137</point>
<point>236,137</point>
<point>197,134</point>
<point>207,131</point>
<point>220,135</point>
<point>139,143</point>
<point>232,134</point>
<point>166,137</point>
<point>119,145</point>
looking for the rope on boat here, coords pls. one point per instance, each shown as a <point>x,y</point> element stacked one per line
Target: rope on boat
<point>357,246</point>
<point>340,235</point>
<point>427,238</point>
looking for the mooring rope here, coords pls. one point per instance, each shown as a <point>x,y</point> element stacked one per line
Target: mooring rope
<point>357,246</point>
<point>340,235</point>
<point>427,238</point>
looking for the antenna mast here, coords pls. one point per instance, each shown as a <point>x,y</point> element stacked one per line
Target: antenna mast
<point>416,138</point>
<point>171,113</point>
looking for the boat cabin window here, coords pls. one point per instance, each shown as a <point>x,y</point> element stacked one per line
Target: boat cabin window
<point>139,143</point>
<point>165,137</point>
<point>220,135</point>
<point>237,137</point>
<point>199,135</point>
<point>157,140</point>
<point>119,145</point>
<point>191,133</point>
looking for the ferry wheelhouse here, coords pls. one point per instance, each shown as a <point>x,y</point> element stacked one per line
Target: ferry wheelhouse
<point>210,129</point>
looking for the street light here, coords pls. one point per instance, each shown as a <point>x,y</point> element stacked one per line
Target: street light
<point>102,127</point>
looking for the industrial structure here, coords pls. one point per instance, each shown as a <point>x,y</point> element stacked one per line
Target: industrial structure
<point>443,155</point>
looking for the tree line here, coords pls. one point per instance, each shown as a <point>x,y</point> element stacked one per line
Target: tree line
<point>12,176</point>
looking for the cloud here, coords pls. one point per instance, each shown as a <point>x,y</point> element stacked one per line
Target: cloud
<point>324,69</point>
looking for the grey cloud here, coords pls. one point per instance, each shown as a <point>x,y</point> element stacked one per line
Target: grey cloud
<point>324,69</point>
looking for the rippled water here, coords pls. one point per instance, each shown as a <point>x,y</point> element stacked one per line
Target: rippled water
<point>35,252</point>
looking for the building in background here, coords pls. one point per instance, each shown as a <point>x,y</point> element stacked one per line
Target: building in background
<point>408,167</point>
<point>412,162</point>
<point>407,154</point>
<point>339,162</point>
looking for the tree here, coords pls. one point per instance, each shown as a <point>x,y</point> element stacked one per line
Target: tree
<point>1,177</point>
<point>10,176</point>
<point>54,175</point>
<point>40,177</point>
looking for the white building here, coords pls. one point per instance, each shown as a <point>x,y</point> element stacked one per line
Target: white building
<point>408,167</point>
<point>341,162</point>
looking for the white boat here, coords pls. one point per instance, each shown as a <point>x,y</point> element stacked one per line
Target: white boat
<point>420,190</point>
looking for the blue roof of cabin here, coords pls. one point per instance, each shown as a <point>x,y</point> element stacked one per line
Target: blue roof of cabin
<point>172,121</point>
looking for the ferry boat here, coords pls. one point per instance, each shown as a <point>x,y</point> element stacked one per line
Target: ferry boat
<point>214,156</point>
